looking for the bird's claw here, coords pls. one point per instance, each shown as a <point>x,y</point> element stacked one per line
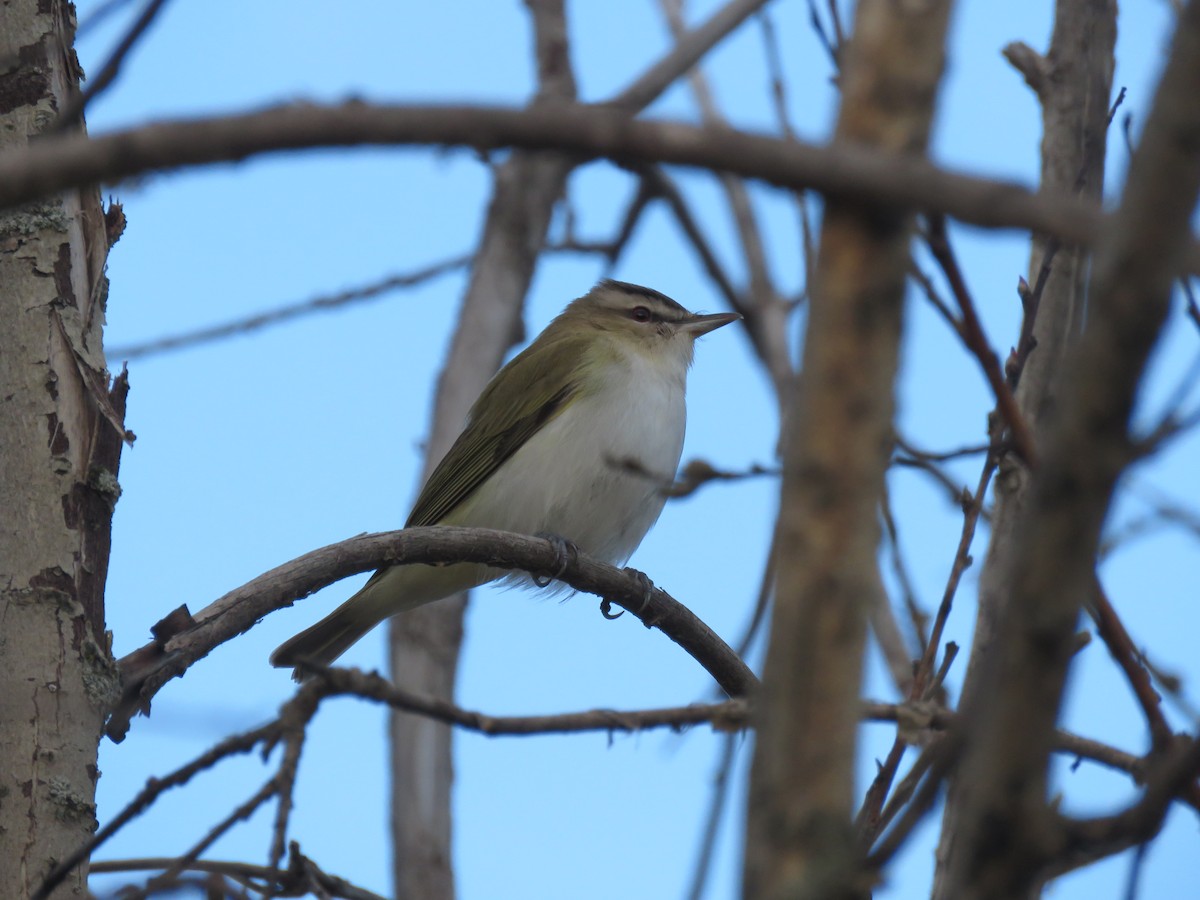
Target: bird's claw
<point>647,587</point>
<point>564,551</point>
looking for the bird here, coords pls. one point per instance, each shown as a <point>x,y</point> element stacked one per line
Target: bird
<point>573,438</point>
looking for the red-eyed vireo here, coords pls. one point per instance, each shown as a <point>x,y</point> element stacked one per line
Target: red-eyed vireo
<point>575,437</point>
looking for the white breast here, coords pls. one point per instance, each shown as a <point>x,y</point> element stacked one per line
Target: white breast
<point>568,480</point>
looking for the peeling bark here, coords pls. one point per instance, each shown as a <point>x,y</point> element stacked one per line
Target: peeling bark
<point>60,452</point>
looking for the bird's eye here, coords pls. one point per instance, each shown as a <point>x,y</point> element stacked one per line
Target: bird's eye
<point>640,314</point>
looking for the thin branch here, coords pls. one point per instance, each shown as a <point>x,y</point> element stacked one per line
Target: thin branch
<point>916,614</point>
<point>240,813</point>
<point>695,475</point>
<point>764,311</point>
<point>1193,308</point>
<point>73,112</point>
<point>942,455</point>
<point>976,340</point>
<point>832,45</point>
<point>730,715</point>
<point>972,509</point>
<point>155,787</point>
<point>1124,653</point>
<point>712,821</point>
<point>96,16</point>
<point>690,47</point>
<point>249,324</point>
<point>664,186</point>
<point>774,60</point>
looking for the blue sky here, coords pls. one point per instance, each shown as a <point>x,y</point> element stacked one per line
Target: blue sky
<point>259,448</point>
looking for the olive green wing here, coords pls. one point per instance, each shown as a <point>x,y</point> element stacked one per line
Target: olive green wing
<point>495,431</point>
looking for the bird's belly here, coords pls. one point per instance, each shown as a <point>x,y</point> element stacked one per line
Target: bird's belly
<point>593,475</point>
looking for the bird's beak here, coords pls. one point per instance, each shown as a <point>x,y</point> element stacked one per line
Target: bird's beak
<point>698,325</point>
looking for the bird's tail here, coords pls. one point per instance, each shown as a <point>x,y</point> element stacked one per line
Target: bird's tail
<point>324,642</point>
<point>390,591</point>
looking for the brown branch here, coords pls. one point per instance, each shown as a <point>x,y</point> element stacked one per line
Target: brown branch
<point>774,61</point>
<point>972,509</point>
<point>1193,308</point>
<point>976,340</point>
<point>240,813</point>
<point>1175,773</point>
<point>146,670</point>
<point>1073,94</point>
<point>869,821</point>
<point>942,455</point>
<point>1120,645</point>
<point>849,170</point>
<point>917,616</point>
<point>695,475</point>
<point>662,185</point>
<point>731,715</point>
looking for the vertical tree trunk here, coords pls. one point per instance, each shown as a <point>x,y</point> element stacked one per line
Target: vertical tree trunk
<point>800,840</point>
<point>1073,82</point>
<point>60,444</point>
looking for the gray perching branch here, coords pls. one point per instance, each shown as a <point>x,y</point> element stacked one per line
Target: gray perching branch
<point>181,639</point>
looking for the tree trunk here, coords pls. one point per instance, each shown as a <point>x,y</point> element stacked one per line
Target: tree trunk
<point>800,840</point>
<point>60,445</point>
<point>1073,82</point>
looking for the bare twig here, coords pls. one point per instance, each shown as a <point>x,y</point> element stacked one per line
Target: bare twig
<point>71,115</point>
<point>774,61</point>
<point>1121,647</point>
<point>695,475</point>
<point>689,48</point>
<point>977,341</point>
<point>712,821</point>
<point>288,312</point>
<point>917,616</point>
<point>763,310</point>
<point>1193,308</point>
<point>155,787</point>
<point>972,508</point>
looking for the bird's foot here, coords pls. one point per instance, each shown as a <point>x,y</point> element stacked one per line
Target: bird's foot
<point>564,552</point>
<point>647,586</point>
